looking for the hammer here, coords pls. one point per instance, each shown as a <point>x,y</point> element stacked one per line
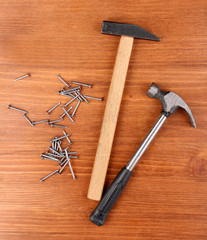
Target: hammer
<point>170,102</point>
<point>127,32</point>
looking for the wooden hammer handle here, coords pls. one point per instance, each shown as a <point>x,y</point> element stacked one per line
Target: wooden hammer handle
<point>110,118</point>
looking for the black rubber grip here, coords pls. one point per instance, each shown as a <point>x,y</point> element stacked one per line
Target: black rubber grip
<point>100,213</point>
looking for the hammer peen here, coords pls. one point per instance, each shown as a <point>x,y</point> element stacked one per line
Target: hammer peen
<point>127,32</point>
<point>170,103</point>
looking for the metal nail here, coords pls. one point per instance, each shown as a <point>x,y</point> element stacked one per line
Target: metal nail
<point>27,75</point>
<point>18,109</point>
<point>59,120</point>
<point>42,179</point>
<point>46,120</point>
<point>71,169</point>
<point>99,99</point>
<point>28,120</point>
<point>71,90</point>
<point>53,139</point>
<point>67,137</point>
<point>68,115</point>
<point>60,126</point>
<point>83,84</point>
<point>63,80</point>
<point>76,107</point>
<point>50,110</point>
<point>48,158</point>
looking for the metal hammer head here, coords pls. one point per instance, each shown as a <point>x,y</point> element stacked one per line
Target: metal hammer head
<point>170,102</point>
<point>130,30</point>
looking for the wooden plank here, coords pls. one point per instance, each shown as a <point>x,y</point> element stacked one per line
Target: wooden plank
<point>166,196</point>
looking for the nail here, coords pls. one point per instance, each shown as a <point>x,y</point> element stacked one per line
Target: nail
<point>68,115</point>
<point>49,158</point>
<point>50,110</point>
<point>99,99</point>
<point>60,126</point>
<point>42,179</point>
<point>76,107</point>
<point>53,140</point>
<point>83,84</point>
<point>27,75</point>
<point>71,90</point>
<point>46,120</point>
<point>18,109</point>
<point>63,80</point>
<point>65,113</point>
<point>28,120</point>
<point>67,137</point>
<point>58,120</point>
<point>71,169</point>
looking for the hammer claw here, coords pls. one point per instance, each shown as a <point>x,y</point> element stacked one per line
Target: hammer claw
<point>170,102</point>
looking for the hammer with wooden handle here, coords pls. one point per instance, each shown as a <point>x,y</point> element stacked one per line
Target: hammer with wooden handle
<point>127,32</point>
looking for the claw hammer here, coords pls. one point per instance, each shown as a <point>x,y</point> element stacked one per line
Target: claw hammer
<point>170,103</point>
<point>127,32</point>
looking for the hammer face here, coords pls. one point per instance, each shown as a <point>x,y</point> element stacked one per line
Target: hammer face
<point>130,30</point>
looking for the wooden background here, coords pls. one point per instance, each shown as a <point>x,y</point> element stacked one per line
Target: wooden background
<point>167,195</point>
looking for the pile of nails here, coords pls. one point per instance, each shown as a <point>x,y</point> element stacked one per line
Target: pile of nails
<point>61,156</point>
<point>56,153</point>
<point>74,93</point>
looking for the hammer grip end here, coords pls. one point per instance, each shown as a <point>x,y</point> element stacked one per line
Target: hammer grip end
<point>100,213</point>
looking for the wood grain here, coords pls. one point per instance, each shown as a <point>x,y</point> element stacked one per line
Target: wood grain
<point>110,118</point>
<point>166,197</point>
